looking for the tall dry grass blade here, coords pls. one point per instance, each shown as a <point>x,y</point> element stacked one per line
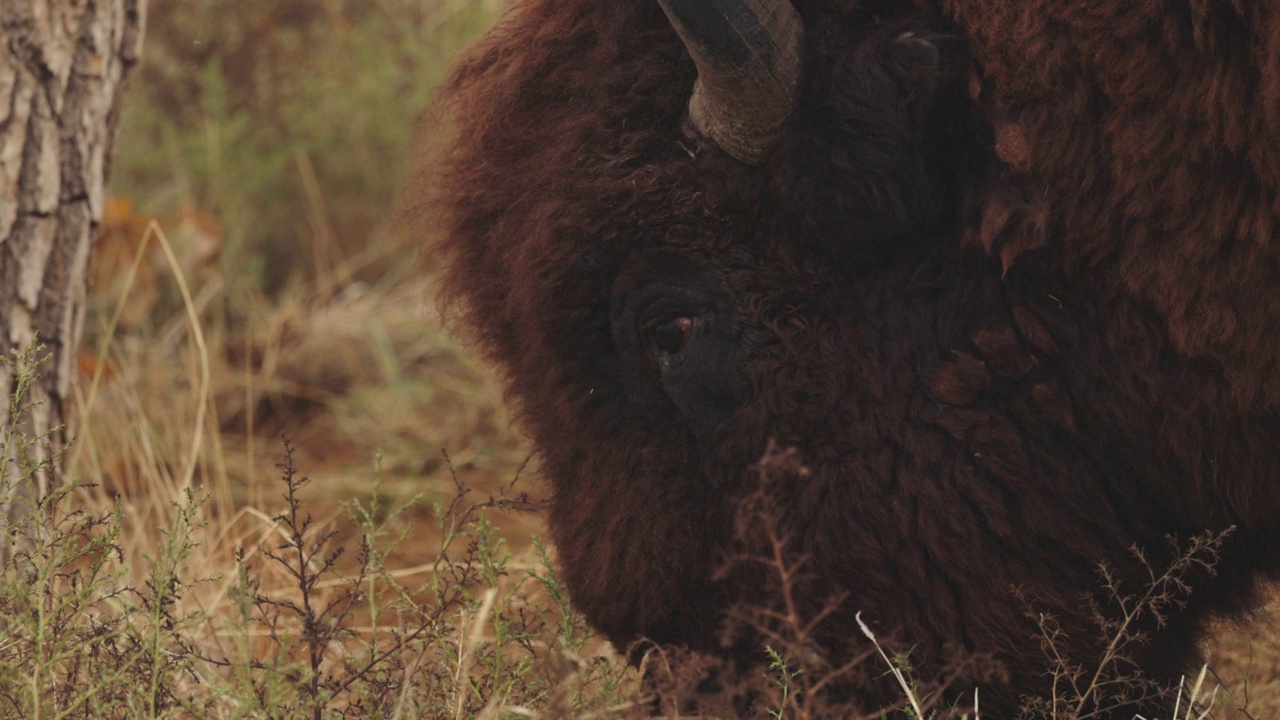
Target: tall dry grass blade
<point>197,334</point>
<point>331,267</point>
<point>897,673</point>
<point>90,397</point>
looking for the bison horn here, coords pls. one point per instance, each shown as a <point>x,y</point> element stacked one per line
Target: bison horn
<point>748,54</point>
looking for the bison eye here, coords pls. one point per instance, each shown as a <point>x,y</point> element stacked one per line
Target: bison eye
<point>670,336</point>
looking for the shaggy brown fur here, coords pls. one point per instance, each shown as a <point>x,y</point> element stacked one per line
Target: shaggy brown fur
<point>1016,321</point>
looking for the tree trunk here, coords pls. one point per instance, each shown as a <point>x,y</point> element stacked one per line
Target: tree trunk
<point>63,65</point>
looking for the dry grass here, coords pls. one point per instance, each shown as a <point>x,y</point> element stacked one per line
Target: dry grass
<point>1245,660</point>
<point>436,599</point>
<point>224,587</point>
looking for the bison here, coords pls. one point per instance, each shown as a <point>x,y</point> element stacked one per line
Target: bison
<point>1005,275</point>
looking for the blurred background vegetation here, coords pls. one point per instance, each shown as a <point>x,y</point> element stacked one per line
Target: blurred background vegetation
<point>292,123</point>
<point>272,143</point>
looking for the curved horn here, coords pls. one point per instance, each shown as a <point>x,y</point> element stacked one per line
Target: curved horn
<point>748,54</point>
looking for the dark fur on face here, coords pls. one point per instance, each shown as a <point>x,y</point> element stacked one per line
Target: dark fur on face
<point>1016,301</point>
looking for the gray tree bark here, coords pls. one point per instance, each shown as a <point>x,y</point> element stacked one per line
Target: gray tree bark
<point>63,66</point>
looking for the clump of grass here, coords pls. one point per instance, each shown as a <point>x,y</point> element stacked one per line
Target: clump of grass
<point>80,640</point>
<point>307,622</point>
<point>299,627</point>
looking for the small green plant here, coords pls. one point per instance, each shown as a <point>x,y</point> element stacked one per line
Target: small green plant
<point>784,677</point>
<point>25,455</point>
<point>79,641</point>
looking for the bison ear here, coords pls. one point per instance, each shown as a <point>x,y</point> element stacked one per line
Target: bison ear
<point>927,69</point>
<point>916,62</point>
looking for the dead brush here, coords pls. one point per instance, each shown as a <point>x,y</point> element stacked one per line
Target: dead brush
<point>470,641</point>
<point>795,678</point>
<point>1125,619</point>
<point>306,629</point>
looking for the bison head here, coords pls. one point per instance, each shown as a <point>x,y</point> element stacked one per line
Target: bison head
<point>670,286</point>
